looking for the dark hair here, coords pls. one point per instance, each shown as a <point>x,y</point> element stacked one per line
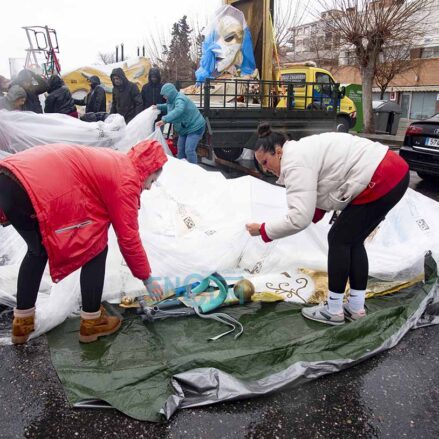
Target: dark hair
<point>268,139</point>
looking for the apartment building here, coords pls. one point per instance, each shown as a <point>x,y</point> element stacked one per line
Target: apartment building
<point>416,89</point>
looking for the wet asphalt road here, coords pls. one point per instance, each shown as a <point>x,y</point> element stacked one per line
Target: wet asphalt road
<point>394,395</point>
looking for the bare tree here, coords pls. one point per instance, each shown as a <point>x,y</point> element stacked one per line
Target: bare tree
<point>394,61</point>
<point>107,58</point>
<point>324,52</point>
<point>288,14</point>
<point>198,25</point>
<point>157,51</point>
<point>155,46</point>
<point>368,26</point>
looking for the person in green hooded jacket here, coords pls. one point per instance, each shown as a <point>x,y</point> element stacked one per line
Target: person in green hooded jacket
<point>187,120</point>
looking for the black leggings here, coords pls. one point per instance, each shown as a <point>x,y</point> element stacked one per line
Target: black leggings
<point>17,206</point>
<point>347,257</point>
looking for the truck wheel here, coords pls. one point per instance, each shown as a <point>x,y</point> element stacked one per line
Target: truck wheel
<point>261,169</point>
<point>229,154</point>
<point>342,124</point>
<point>428,177</point>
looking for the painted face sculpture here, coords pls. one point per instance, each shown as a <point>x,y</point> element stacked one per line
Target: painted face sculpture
<point>227,45</point>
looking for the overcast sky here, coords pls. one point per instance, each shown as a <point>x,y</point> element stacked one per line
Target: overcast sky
<point>85,28</point>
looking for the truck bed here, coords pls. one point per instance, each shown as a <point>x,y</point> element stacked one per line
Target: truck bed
<point>234,108</point>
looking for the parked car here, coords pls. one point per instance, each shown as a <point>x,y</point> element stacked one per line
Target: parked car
<point>421,148</point>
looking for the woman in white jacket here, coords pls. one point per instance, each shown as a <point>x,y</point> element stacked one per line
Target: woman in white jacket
<point>340,172</point>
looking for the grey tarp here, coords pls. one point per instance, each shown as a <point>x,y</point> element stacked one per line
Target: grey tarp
<point>150,371</point>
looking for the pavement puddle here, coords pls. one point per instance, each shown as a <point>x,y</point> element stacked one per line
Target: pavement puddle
<point>5,338</point>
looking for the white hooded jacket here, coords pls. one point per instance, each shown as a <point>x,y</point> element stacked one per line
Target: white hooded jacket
<point>325,171</point>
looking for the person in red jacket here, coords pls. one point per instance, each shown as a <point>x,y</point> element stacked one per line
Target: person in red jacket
<point>62,199</point>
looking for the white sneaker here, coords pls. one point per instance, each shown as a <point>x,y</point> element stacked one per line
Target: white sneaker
<point>351,315</point>
<point>321,314</point>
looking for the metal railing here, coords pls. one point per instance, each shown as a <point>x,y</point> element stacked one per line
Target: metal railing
<point>261,94</point>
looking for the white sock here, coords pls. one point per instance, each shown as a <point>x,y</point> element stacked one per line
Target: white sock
<point>356,300</point>
<point>335,303</point>
<point>90,315</point>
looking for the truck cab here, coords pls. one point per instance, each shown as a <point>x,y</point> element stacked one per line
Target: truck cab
<point>312,88</point>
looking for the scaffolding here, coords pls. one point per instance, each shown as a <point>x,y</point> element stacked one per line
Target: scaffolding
<point>43,42</point>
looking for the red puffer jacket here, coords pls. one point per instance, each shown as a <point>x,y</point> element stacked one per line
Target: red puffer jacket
<point>77,192</point>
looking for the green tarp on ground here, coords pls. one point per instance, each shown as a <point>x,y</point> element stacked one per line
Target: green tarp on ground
<point>139,369</point>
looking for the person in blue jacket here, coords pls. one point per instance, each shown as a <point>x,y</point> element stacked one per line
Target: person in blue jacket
<point>187,120</point>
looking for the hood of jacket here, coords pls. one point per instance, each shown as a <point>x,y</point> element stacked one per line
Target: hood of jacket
<point>24,76</point>
<point>147,157</point>
<point>55,82</point>
<point>119,72</point>
<point>170,92</point>
<point>15,92</point>
<point>94,81</point>
<point>154,71</point>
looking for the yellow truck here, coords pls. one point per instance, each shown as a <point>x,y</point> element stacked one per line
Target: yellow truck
<point>313,88</point>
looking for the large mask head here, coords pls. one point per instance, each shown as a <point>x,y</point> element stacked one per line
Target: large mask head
<point>230,36</point>
<point>227,45</point>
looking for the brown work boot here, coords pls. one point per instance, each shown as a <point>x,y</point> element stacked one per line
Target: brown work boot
<point>97,324</point>
<point>23,325</point>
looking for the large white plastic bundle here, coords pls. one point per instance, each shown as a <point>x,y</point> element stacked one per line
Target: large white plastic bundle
<point>193,224</point>
<point>22,129</point>
<point>138,129</point>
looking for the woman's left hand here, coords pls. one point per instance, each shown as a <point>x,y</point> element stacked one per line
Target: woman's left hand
<point>159,124</point>
<point>253,229</point>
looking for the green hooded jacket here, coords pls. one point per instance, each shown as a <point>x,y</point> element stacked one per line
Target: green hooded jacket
<point>180,111</point>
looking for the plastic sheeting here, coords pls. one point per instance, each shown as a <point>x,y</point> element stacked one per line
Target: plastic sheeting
<point>150,371</point>
<point>227,45</point>
<point>192,224</point>
<point>21,130</point>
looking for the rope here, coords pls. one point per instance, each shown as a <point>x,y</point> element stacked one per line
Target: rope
<point>222,318</point>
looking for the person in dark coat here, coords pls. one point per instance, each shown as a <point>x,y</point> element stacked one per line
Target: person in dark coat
<point>14,100</point>
<point>151,91</point>
<point>95,101</point>
<point>127,100</point>
<point>60,99</point>
<point>26,79</point>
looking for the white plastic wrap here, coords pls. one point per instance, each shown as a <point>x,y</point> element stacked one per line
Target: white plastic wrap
<point>138,129</point>
<point>192,223</point>
<point>21,129</point>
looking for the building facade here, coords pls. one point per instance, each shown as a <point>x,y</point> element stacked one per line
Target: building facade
<point>416,89</point>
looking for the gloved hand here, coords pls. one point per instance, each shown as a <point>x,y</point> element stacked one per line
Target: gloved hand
<point>154,289</point>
